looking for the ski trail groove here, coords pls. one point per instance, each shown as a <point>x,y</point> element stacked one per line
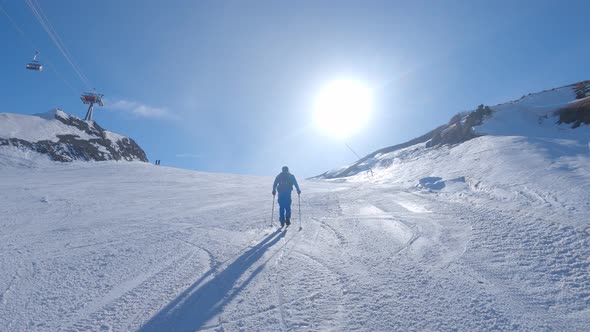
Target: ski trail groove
<point>213,266</point>
<point>340,238</point>
<point>281,301</point>
<point>277,282</point>
<point>338,276</point>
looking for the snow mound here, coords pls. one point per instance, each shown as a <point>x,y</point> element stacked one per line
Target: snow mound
<point>45,126</point>
<point>63,137</point>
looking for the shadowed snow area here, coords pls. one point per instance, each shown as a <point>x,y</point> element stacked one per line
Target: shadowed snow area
<point>434,183</point>
<point>491,234</point>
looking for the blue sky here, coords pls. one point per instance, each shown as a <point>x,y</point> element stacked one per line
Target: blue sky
<point>228,86</point>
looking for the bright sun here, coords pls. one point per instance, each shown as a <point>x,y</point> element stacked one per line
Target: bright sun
<point>343,107</point>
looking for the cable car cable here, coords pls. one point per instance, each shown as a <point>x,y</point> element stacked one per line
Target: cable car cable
<point>84,77</point>
<point>46,25</point>
<point>30,44</point>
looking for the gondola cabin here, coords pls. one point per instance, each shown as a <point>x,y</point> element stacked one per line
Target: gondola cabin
<point>35,64</point>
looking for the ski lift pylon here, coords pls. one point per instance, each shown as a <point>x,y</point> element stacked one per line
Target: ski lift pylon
<point>35,64</point>
<point>91,98</point>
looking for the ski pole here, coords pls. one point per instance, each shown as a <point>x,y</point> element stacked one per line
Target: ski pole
<point>299,200</point>
<point>272,216</point>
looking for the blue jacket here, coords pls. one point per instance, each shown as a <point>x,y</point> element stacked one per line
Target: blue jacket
<point>284,183</point>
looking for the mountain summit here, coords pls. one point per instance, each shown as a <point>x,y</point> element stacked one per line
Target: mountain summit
<point>64,137</point>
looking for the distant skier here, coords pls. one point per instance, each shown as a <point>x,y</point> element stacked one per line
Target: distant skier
<point>284,183</point>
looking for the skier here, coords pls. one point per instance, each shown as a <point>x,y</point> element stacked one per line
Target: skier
<point>284,183</point>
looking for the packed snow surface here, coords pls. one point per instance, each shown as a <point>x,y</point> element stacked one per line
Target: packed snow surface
<point>492,234</point>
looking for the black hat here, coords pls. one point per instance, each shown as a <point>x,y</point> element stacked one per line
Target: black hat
<point>285,169</point>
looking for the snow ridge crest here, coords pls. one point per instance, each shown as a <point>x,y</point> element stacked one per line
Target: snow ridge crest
<point>64,137</point>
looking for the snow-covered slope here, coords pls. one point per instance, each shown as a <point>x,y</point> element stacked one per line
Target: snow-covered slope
<point>62,137</point>
<point>560,113</point>
<point>535,115</point>
<point>490,235</point>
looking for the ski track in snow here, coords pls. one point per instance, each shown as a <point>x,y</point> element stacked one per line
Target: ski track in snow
<point>143,248</point>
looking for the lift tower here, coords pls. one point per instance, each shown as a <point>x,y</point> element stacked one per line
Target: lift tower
<point>91,99</point>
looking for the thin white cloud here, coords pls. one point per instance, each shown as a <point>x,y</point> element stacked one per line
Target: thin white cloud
<point>139,109</point>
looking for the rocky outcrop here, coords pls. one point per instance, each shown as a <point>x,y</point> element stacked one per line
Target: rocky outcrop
<point>460,128</point>
<point>576,113</point>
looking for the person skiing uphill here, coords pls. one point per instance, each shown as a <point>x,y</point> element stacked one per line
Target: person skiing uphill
<point>283,184</point>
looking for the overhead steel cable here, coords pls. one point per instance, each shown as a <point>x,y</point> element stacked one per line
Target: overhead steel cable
<point>20,31</point>
<point>46,60</point>
<point>79,71</point>
<point>356,154</point>
<point>60,46</point>
<point>46,25</point>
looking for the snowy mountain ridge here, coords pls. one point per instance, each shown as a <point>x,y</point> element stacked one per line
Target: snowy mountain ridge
<point>559,113</point>
<point>62,137</point>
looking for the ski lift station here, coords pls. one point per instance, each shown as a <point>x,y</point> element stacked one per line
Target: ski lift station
<point>91,98</point>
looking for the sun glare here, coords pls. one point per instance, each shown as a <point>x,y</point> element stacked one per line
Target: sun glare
<point>342,108</point>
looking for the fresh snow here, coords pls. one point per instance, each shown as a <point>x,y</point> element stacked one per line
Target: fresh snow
<point>533,116</point>
<point>37,128</point>
<point>113,137</point>
<point>491,234</point>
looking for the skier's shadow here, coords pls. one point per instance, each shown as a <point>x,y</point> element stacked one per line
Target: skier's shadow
<point>200,302</point>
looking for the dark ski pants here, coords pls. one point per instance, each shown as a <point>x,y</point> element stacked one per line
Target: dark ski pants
<point>284,206</point>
